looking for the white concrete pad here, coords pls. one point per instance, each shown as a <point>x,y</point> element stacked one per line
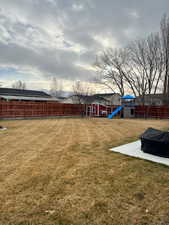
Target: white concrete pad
<point>134,149</point>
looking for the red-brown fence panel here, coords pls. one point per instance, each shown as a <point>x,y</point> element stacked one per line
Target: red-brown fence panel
<point>15,109</point>
<point>23,109</point>
<point>158,112</point>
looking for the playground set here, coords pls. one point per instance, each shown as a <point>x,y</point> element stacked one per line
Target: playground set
<point>125,110</point>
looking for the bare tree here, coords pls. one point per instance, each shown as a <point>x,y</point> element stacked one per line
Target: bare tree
<point>146,66</point>
<point>117,70</point>
<point>138,68</point>
<point>56,89</point>
<point>81,91</point>
<point>155,63</point>
<point>165,44</point>
<point>111,68</point>
<point>19,85</point>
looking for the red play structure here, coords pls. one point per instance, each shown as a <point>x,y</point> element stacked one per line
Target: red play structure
<point>97,110</point>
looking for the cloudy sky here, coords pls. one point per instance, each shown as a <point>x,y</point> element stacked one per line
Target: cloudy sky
<point>44,38</point>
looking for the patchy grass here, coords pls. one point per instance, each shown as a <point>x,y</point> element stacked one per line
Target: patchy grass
<point>60,172</point>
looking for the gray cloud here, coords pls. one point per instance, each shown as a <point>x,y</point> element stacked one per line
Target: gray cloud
<point>48,62</point>
<point>55,37</point>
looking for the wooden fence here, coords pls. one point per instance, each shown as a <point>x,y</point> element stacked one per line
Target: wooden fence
<point>23,109</point>
<point>158,112</point>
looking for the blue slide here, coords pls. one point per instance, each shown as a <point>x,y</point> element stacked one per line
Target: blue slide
<point>110,116</point>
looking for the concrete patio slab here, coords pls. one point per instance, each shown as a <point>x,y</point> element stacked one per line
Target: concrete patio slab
<point>134,150</point>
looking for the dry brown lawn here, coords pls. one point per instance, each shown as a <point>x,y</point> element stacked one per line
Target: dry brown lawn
<point>60,171</point>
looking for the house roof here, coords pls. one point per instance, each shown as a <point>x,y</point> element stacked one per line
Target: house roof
<point>89,99</point>
<point>25,93</point>
<point>158,95</point>
<point>106,94</point>
<point>26,98</point>
<point>62,98</point>
<point>93,98</point>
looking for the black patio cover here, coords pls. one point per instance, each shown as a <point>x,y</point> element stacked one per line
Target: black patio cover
<point>155,142</point>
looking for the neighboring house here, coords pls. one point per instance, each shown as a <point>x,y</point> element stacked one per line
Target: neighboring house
<point>102,99</point>
<point>70,100</point>
<point>10,94</point>
<point>61,99</point>
<point>85,100</point>
<point>111,98</point>
<point>150,99</point>
<point>93,99</point>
